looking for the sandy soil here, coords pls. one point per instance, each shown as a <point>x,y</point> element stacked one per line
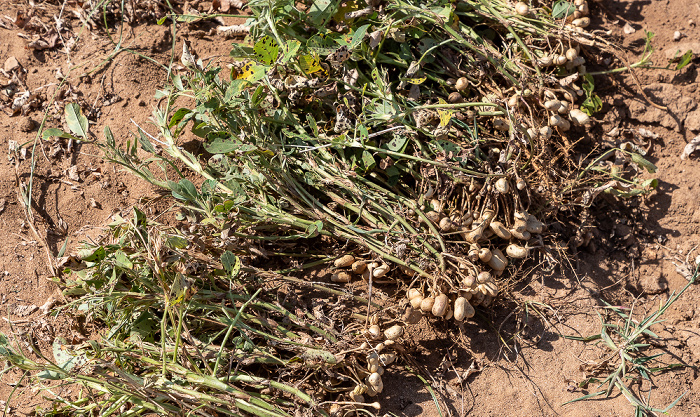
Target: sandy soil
<point>513,359</point>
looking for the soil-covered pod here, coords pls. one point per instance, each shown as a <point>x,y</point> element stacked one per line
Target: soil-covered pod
<point>546,132</point>
<point>412,315</point>
<point>545,61</point>
<point>446,225</point>
<point>552,105</point>
<point>380,271</point>
<point>358,398</point>
<point>433,216</point>
<point>560,60</point>
<point>532,133</point>
<point>341,277</point>
<point>583,8</point>
<point>393,332</point>
<point>440,305</point>
<point>380,370</point>
<point>533,225</point>
<point>366,275</point>
<point>517,251</point>
<point>579,118</point>
<point>484,276</point>
<point>461,84</point>
<point>372,362</point>
<point>524,235</point>
<point>462,309</point>
<point>485,254</point>
<point>520,184</point>
<point>498,261</point>
<point>426,305</point>
<point>487,301</point>
<point>490,288</point>
<point>359,266</point>
<point>455,97</point>
<point>500,230</point>
<point>502,185</point>
<point>500,124</point>
<point>477,298</point>
<point>374,332</point>
<point>469,280</point>
<point>473,254</point>
<point>467,219</point>
<point>582,22</point>
<point>387,359</point>
<point>374,381</point>
<point>344,261</point>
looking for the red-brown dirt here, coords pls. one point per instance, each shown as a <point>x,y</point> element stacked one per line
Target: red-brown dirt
<point>524,366</point>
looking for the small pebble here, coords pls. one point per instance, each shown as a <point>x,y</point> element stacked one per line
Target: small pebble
<point>677,36</point>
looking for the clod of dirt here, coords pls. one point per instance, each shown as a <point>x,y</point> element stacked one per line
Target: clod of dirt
<point>691,147</point>
<point>653,284</point>
<point>26,125</point>
<point>679,104</point>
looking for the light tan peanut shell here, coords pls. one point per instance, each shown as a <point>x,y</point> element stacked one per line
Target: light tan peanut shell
<point>484,276</point>
<point>416,301</point>
<point>461,84</point>
<point>341,277</point>
<point>502,185</point>
<point>524,235</point>
<point>426,305</point>
<point>365,275</point>
<point>485,254</point>
<point>469,280</point>
<point>517,251</point>
<point>380,271</point>
<point>358,267</point>
<point>462,307</point>
<point>413,293</point>
<point>393,332</point>
<point>387,359</point>
<point>498,261</point>
<point>446,224</point>
<point>344,261</point>
<point>374,331</point>
<point>440,305</point>
<point>500,230</point>
<point>375,381</point>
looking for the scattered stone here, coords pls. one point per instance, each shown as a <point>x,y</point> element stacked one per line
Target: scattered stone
<point>73,173</point>
<point>628,29</point>
<point>691,337</point>
<point>11,64</point>
<point>653,284</point>
<point>691,147</point>
<point>677,36</point>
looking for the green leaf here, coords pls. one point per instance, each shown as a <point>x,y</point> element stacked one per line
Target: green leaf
<point>397,143</point>
<point>314,229</point>
<point>77,123</point>
<point>161,20</point>
<point>312,123</point>
<point>92,254</point>
<point>65,358</point>
<point>145,142</point>
<point>562,9</point>
<point>358,36</point>
<point>178,115</point>
<point>231,263</point>
<point>48,133</point>
<point>221,145</point>
<point>184,190</point>
<point>639,160</point>
<point>685,59</point>
<point>176,242</point>
<point>292,51</point>
<point>122,260</point>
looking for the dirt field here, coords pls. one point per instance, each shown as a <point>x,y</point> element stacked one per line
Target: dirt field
<point>632,259</point>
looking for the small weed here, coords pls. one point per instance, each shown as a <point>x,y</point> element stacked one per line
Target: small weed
<point>630,359</point>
